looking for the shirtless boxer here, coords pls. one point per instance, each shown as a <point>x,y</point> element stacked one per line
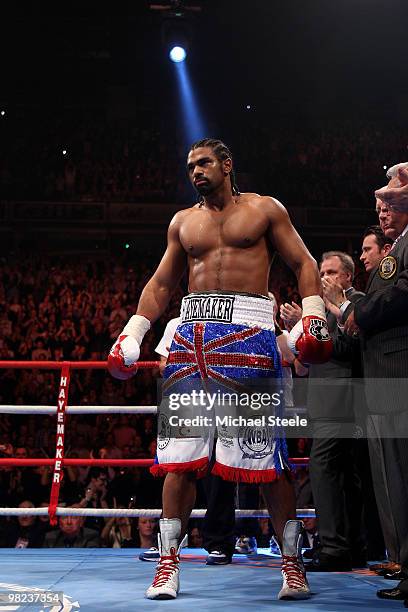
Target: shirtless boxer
<point>226,242</point>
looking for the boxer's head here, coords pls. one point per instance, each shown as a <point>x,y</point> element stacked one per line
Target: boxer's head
<point>209,163</point>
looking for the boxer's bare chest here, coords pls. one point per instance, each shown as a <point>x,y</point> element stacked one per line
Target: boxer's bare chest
<point>238,227</point>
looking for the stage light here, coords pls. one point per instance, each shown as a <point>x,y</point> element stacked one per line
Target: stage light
<point>2,113</point>
<point>385,167</point>
<point>248,107</point>
<point>177,54</point>
<point>127,245</point>
<point>176,36</point>
<point>64,151</point>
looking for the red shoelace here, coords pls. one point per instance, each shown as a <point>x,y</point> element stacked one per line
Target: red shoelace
<point>293,572</point>
<point>165,568</point>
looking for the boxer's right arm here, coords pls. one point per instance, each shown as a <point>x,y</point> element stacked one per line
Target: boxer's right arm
<point>124,354</point>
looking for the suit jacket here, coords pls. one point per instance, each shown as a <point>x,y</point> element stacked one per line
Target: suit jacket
<point>336,397</point>
<point>382,316</point>
<point>87,538</point>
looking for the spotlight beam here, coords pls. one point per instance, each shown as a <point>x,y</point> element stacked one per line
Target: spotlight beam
<point>192,121</point>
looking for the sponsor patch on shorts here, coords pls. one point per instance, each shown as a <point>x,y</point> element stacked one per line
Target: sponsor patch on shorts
<point>218,308</point>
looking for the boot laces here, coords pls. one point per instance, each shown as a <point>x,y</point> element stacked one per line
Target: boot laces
<point>293,572</point>
<point>166,567</point>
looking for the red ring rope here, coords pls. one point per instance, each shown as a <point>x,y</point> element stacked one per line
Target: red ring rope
<point>34,462</point>
<point>74,365</point>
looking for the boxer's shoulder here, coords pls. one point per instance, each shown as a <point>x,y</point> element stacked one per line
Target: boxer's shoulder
<point>265,204</point>
<point>179,218</point>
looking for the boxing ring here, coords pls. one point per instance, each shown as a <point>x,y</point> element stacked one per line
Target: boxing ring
<point>99,579</point>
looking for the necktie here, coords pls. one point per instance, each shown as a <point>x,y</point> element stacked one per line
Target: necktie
<point>396,241</point>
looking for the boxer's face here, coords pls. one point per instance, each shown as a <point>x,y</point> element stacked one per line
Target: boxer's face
<point>205,171</point>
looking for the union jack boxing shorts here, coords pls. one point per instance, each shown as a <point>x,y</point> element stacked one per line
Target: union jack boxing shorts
<point>223,340</point>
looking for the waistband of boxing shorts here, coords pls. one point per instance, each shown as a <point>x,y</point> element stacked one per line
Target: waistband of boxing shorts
<point>247,309</point>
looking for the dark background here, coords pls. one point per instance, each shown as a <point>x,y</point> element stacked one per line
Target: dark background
<point>297,60</point>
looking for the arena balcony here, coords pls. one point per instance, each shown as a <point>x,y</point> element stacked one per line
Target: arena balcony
<point>86,226</point>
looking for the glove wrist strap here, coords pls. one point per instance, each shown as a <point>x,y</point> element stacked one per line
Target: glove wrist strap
<point>313,306</point>
<point>137,327</point>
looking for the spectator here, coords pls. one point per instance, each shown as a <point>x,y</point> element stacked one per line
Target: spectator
<point>95,497</point>
<point>117,533</point>
<point>72,534</point>
<point>123,433</point>
<point>146,532</point>
<point>195,539</point>
<point>23,532</point>
<point>111,451</point>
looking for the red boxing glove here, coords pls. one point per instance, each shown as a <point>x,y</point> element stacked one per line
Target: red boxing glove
<point>310,339</point>
<point>124,354</point>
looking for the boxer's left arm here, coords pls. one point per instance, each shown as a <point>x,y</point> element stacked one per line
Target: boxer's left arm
<point>310,337</point>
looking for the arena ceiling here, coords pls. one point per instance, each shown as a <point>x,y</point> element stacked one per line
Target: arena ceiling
<point>315,58</point>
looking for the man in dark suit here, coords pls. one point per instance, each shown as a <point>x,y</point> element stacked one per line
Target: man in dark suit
<point>374,248</point>
<point>376,245</point>
<point>381,319</point>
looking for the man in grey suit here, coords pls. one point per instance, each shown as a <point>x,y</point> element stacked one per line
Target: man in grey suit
<point>334,474</point>
<point>72,534</point>
<point>381,318</point>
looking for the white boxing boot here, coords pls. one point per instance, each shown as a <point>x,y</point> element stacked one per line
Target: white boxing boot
<point>295,585</point>
<point>166,582</point>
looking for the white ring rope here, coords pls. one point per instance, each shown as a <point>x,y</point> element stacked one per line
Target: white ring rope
<point>150,513</point>
<point>36,409</point>
<point>114,512</point>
